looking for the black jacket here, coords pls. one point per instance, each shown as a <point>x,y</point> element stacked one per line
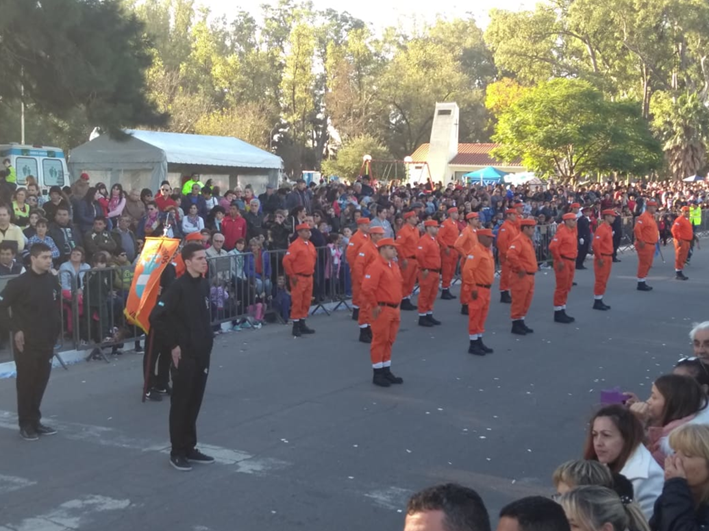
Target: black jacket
<point>583,226</point>
<point>675,510</point>
<point>65,238</point>
<point>182,317</point>
<point>34,300</point>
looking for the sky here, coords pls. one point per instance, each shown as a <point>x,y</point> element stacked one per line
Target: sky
<point>383,13</point>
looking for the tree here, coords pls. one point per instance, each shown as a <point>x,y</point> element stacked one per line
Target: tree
<point>502,94</point>
<point>348,162</point>
<point>567,128</point>
<point>246,122</point>
<point>89,54</point>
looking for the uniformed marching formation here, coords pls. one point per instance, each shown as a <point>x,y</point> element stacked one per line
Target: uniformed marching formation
<point>385,272</point>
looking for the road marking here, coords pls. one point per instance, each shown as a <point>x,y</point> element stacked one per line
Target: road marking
<point>390,498</point>
<point>70,515</point>
<point>243,462</point>
<point>12,483</point>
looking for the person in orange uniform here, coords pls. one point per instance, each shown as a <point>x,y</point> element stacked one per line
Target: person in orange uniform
<point>428,257</point>
<point>381,291</point>
<point>683,236</point>
<point>564,250</point>
<point>508,232</point>
<point>603,257</point>
<point>299,265</point>
<point>646,237</point>
<point>478,275</point>
<point>368,252</point>
<point>407,241</point>
<point>523,266</point>
<point>447,236</point>
<point>357,239</point>
<point>464,244</point>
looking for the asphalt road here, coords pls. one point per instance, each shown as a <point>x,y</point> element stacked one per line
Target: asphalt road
<point>305,441</point>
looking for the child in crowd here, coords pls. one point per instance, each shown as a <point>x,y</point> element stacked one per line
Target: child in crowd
<point>282,300</point>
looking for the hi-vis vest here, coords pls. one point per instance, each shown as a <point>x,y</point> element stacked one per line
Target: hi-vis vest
<point>695,215</point>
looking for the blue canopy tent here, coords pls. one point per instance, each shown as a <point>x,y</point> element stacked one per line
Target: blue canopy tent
<point>487,175</point>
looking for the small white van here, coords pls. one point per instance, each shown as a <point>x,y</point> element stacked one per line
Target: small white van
<point>46,164</point>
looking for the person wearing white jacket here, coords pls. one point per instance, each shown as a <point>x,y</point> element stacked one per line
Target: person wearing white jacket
<point>615,439</point>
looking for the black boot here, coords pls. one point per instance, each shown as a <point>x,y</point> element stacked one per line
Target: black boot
<point>568,317</point>
<point>364,336</point>
<point>475,349</point>
<point>561,317</point>
<point>598,305</point>
<point>484,347</point>
<point>390,376</point>
<point>380,379</point>
<point>505,297</point>
<point>447,296</point>
<point>432,320</point>
<point>407,306</point>
<point>680,276</point>
<point>463,309</point>
<point>423,321</point>
<point>518,328</point>
<point>642,286</point>
<point>296,329</point>
<point>526,328</point>
<point>304,329</point>
<point>355,314</point>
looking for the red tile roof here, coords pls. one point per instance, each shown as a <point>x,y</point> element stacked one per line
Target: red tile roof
<point>468,155</point>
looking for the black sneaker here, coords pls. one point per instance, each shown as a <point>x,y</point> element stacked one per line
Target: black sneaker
<point>41,429</point>
<point>153,395</point>
<point>29,434</point>
<point>195,456</point>
<point>167,390</point>
<point>180,463</point>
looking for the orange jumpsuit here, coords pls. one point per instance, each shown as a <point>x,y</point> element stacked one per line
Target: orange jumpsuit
<point>299,264</point>
<point>521,257</point>
<point>602,250</point>
<point>467,240</point>
<point>382,287</point>
<point>407,239</point>
<point>683,236</point>
<point>478,275</point>
<point>646,232</point>
<point>564,250</point>
<point>428,256</point>
<point>368,252</point>
<point>447,235</point>
<point>508,231</point>
<point>357,239</point>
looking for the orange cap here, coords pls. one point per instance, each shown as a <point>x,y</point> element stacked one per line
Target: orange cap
<point>472,215</point>
<point>609,212</point>
<point>430,223</point>
<point>652,203</point>
<point>362,221</point>
<point>409,214</point>
<point>685,209</point>
<point>453,210</point>
<point>575,205</point>
<point>485,232</point>
<point>193,237</point>
<point>376,230</point>
<point>511,211</point>
<point>386,241</point>
<point>302,226</point>
<point>568,216</point>
<point>528,223</point>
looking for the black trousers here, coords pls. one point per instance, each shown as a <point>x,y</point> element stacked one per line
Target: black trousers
<point>188,383</point>
<point>583,251</point>
<point>160,359</point>
<point>33,370</point>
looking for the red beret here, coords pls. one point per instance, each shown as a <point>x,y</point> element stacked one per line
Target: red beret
<point>376,230</point>
<point>84,176</point>
<point>528,223</point>
<point>485,232</point>
<point>193,237</point>
<point>409,215</point>
<point>609,212</point>
<point>575,205</point>
<point>386,241</point>
<point>570,215</point>
<point>511,211</point>
<point>302,226</point>
<point>430,223</point>
<point>362,221</point>
<point>472,215</point>
<point>453,210</point>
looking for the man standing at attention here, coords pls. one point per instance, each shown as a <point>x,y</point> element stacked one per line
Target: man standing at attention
<point>603,258</point>
<point>508,231</point>
<point>368,253</point>
<point>464,245</point>
<point>447,236</point>
<point>646,237</point>
<point>478,276</point>
<point>428,257</point>
<point>33,299</point>
<point>407,240</point>
<point>183,318</point>
<point>583,233</point>
<point>357,239</point>
<point>299,264</point>
<point>564,249</point>
<point>683,238</point>
<point>381,289</point>
<point>523,266</point>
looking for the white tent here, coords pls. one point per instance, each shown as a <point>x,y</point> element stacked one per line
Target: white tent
<point>146,158</point>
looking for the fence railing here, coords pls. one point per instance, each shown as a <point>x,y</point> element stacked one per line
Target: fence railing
<point>247,290</point>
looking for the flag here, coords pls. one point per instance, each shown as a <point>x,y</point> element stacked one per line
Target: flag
<point>145,288</point>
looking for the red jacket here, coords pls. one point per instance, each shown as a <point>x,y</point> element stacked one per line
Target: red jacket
<point>233,229</point>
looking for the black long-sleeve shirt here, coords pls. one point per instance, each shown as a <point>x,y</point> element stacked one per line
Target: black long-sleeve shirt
<point>34,302</point>
<point>675,509</point>
<point>182,317</point>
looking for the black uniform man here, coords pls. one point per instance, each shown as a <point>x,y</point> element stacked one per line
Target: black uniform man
<point>583,228</point>
<point>182,317</point>
<point>33,298</point>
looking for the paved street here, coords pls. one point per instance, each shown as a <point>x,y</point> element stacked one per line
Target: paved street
<point>305,441</point>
